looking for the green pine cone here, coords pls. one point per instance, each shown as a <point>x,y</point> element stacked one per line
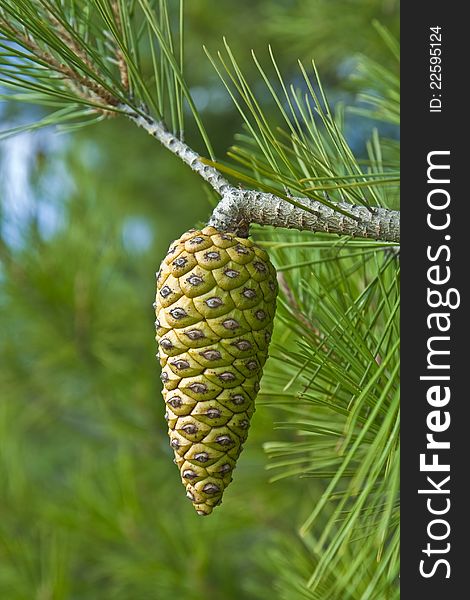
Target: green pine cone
<point>215,304</point>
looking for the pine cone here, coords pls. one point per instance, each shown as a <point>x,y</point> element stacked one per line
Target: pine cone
<point>215,304</point>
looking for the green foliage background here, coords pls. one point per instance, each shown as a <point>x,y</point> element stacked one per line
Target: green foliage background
<point>91,506</point>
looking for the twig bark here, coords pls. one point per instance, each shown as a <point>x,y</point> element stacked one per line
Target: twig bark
<point>239,208</point>
<point>242,207</point>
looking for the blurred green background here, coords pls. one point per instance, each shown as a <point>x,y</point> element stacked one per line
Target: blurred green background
<point>91,506</point>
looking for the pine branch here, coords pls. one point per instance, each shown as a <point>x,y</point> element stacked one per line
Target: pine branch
<point>81,85</point>
<point>239,208</point>
<point>158,130</point>
<point>65,55</point>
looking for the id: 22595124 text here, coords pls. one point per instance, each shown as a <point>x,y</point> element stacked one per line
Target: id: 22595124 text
<point>435,69</point>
